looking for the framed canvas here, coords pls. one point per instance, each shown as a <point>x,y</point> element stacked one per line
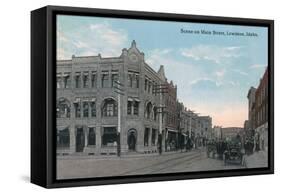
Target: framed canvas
<point>125,96</point>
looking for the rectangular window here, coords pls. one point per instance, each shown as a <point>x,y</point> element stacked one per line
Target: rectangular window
<point>145,84</point>
<point>114,78</point>
<point>94,79</point>
<point>66,80</point>
<point>93,109</point>
<point>153,137</point>
<point>77,80</point>
<point>77,110</point>
<point>85,109</point>
<point>105,80</point>
<point>146,136</point>
<point>155,89</point>
<point>149,86</point>
<point>137,81</point>
<point>63,139</point>
<point>92,136</point>
<point>109,137</point>
<point>130,80</point>
<point>129,108</point>
<point>110,109</point>
<point>136,108</point>
<point>85,80</point>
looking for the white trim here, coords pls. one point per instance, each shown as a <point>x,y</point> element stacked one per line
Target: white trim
<point>137,99</point>
<point>77,100</point>
<point>172,130</point>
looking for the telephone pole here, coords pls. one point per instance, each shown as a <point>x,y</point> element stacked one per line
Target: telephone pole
<point>161,89</point>
<point>118,88</point>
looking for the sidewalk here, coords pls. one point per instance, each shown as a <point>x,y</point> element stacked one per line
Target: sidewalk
<point>257,160</point>
<point>124,155</point>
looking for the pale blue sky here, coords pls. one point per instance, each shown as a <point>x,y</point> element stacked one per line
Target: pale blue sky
<point>213,72</point>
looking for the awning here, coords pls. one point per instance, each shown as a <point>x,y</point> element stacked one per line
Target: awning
<point>60,128</point>
<point>105,73</point>
<point>130,99</point>
<point>66,75</point>
<point>184,134</point>
<point>136,99</point>
<point>77,100</point>
<point>62,99</point>
<point>93,99</point>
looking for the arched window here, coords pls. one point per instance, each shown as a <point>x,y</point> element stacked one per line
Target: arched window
<point>109,108</point>
<point>63,108</point>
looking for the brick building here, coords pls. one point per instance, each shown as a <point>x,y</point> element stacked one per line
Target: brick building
<point>251,102</point>
<point>260,123</point>
<point>87,105</point>
<point>190,124</point>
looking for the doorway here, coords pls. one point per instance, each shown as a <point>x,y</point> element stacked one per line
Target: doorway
<point>132,139</point>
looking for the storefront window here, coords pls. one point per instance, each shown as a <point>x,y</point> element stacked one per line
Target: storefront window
<point>146,136</point>
<point>92,136</point>
<point>63,138</point>
<point>109,137</point>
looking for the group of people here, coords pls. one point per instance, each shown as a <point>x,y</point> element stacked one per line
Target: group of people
<point>249,146</point>
<point>185,144</point>
<point>216,148</point>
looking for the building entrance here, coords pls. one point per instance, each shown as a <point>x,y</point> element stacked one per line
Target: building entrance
<point>132,139</point>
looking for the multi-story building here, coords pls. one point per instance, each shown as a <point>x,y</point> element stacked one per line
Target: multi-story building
<point>198,128</point>
<point>101,101</point>
<point>183,123</point>
<point>217,130</point>
<point>260,123</point>
<point>205,127</point>
<point>251,102</point>
<point>231,132</point>
<point>170,116</point>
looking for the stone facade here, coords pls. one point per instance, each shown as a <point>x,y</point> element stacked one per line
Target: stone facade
<point>87,105</point>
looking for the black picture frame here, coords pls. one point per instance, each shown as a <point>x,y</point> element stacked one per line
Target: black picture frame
<point>43,95</point>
